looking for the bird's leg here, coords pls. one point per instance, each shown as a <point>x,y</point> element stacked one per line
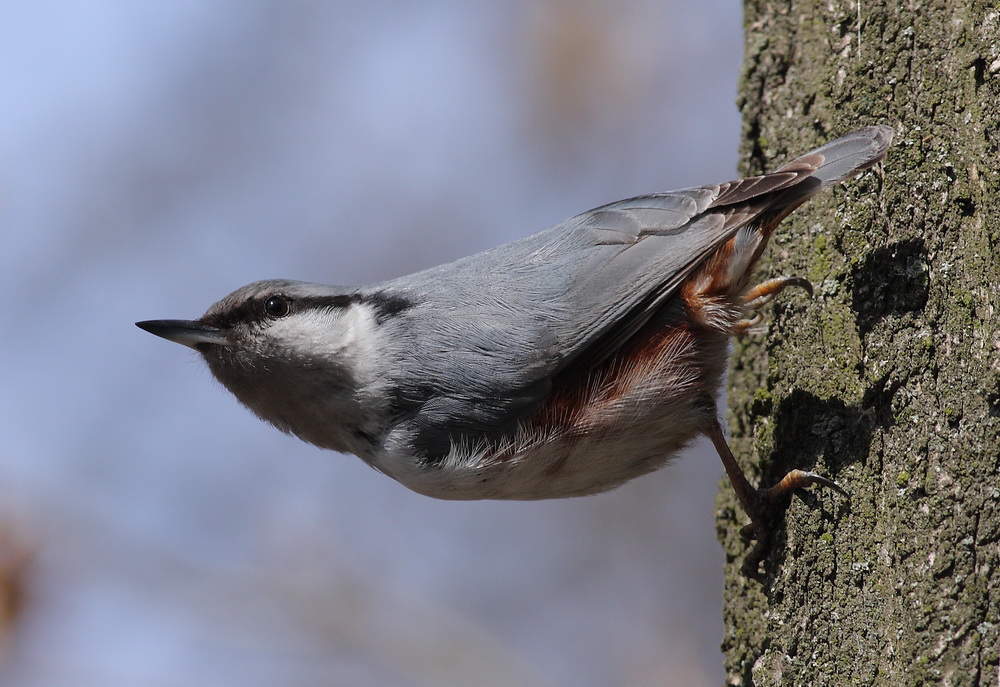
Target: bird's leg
<point>765,507</point>
<point>764,293</point>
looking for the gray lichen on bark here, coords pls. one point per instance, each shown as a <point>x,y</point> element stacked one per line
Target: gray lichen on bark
<point>888,380</point>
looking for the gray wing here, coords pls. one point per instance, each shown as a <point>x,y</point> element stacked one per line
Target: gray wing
<point>488,332</point>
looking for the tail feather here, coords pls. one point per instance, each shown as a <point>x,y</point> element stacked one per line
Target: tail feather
<point>757,214</point>
<point>836,161</point>
<point>807,175</point>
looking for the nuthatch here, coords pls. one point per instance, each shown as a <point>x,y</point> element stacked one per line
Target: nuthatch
<point>562,364</point>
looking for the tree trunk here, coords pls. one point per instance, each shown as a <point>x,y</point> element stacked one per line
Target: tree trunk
<point>888,379</point>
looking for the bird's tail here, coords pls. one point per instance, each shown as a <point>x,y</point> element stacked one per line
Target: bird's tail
<point>834,162</point>
<point>756,205</point>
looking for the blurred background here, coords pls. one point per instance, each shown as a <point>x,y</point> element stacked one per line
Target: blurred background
<point>155,155</point>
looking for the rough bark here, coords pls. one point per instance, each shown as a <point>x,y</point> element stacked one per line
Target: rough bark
<point>888,379</point>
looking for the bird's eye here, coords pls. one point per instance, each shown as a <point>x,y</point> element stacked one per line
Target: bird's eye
<point>276,306</point>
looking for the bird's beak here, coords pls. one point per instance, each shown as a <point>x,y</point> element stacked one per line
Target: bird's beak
<point>187,332</point>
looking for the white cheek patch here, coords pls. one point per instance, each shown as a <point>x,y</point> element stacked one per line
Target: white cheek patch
<point>326,333</point>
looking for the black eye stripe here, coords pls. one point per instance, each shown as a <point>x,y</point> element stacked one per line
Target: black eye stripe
<point>385,305</point>
<point>261,308</point>
<point>318,302</point>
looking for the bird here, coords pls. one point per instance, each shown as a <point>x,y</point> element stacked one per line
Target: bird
<point>562,364</point>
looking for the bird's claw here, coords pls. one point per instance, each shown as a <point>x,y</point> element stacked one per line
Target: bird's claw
<point>768,513</point>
